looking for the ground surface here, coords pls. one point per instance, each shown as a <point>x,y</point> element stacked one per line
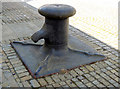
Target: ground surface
<point>19,22</point>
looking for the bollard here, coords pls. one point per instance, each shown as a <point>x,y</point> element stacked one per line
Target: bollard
<point>60,51</point>
<point>55,28</point>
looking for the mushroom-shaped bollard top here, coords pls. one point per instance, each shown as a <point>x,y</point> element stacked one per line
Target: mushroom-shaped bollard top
<point>57,11</point>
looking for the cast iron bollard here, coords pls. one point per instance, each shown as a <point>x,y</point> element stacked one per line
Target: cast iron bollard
<point>55,29</point>
<point>60,51</point>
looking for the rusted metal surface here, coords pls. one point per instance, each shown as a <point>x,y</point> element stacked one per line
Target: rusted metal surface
<point>59,50</point>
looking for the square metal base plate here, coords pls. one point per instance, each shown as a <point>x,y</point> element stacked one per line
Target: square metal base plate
<point>35,59</point>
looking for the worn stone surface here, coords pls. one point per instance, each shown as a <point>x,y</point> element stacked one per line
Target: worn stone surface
<point>42,82</point>
<point>26,78</point>
<point>34,83</point>
<point>26,84</point>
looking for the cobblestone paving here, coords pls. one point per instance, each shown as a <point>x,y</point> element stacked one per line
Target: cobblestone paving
<point>99,74</point>
<point>16,15</point>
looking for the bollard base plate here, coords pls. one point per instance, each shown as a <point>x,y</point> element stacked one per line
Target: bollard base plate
<point>41,63</point>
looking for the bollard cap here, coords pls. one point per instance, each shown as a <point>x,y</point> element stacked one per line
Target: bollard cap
<point>57,11</point>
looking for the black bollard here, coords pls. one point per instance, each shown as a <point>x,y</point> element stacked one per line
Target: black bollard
<point>56,26</point>
<point>59,51</point>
